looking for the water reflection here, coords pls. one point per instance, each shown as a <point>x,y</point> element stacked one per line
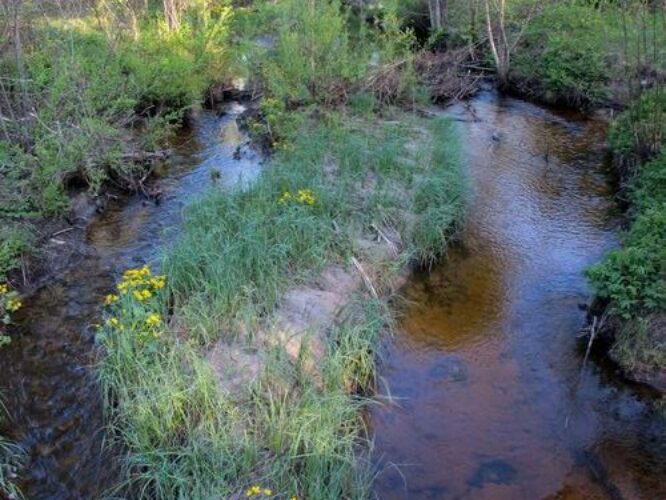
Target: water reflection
<point>490,398</point>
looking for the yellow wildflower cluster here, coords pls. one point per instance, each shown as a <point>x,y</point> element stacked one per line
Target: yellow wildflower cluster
<point>140,282</point>
<point>111,299</point>
<point>9,301</point>
<point>304,196</point>
<point>142,295</point>
<point>153,320</point>
<point>13,305</point>
<point>258,490</point>
<point>139,285</point>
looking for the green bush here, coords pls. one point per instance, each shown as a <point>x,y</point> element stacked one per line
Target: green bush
<point>633,277</point>
<point>639,133</point>
<point>563,55</point>
<point>314,59</point>
<point>15,241</point>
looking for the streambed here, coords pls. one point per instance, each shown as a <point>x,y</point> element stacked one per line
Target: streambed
<point>490,395</point>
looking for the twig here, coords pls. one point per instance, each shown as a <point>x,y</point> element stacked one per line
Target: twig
<point>365,277</point>
<point>382,235</point>
<point>66,230</point>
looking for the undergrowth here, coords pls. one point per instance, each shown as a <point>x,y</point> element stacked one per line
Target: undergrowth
<point>632,278</point>
<point>82,101</point>
<point>582,55</point>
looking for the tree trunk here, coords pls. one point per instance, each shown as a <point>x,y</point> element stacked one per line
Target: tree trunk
<point>439,14</point>
<point>499,48</point>
<point>172,14</point>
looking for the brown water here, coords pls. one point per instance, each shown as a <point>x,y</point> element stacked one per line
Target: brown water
<point>48,373</point>
<point>490,396</point>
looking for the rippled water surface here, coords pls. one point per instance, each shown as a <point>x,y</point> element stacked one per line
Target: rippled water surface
<point>48,374</point>
<point>490,396</point>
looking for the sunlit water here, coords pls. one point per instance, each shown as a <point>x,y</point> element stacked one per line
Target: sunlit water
<point>48,373</point>
<point>490,398</point>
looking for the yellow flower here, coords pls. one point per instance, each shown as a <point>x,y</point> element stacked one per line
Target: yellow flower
<point>158,282</point>
<point>286,196</point>
<point>268,492</point>
<point>133,274</point>
<point>114,322</point>
<point>110,299</point>
<point>253,490</point>
<point>142,295</point>
<point>153,319</point>
<point>306,196</point>
<point>3,289</point>
<point>14,305</point>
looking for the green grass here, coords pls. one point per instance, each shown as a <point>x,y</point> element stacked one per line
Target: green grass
<point>292,432</point>
<point>639,133</point>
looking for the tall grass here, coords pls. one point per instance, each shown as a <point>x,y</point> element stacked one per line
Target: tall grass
<point>238,252</point>
<point>10,459</point>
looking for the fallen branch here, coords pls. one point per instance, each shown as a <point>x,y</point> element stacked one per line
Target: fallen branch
<point>366,278</point>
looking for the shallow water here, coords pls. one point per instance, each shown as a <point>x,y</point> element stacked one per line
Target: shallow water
<point>490,395</point>
<point>48,373</point>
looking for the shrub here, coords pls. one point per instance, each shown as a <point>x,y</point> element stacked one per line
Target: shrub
<point>633,278</point>
<point>639,133</point>
<point>563,54</point>
<point>313,59</point>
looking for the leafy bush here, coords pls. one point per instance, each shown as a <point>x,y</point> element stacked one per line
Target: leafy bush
<point>15,240</point>
<point>563,54</point>
<point>313,59</point>
<point>639,133</point>
<point>633,278</point>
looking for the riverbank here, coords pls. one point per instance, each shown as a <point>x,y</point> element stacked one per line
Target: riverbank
<point>631,281</point>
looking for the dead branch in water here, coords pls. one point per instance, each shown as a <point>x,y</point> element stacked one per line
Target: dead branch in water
<point>595,327</point>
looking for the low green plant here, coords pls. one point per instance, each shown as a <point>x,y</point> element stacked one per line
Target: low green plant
<point>88,91</point>
<point>633,277</point>
<point>315,59</point>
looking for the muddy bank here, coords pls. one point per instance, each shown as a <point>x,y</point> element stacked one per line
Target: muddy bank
<point>607,332</point>
<point>50,381</point>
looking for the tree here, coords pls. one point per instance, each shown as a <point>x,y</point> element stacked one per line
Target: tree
<point>439,14</point>
<point>501,45</point>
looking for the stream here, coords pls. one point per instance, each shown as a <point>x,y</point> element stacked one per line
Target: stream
<point>484,388</point>
<point>49,379</point>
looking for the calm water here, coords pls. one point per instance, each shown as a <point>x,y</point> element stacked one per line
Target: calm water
<point>490,398</point>
<point>48,373</point>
